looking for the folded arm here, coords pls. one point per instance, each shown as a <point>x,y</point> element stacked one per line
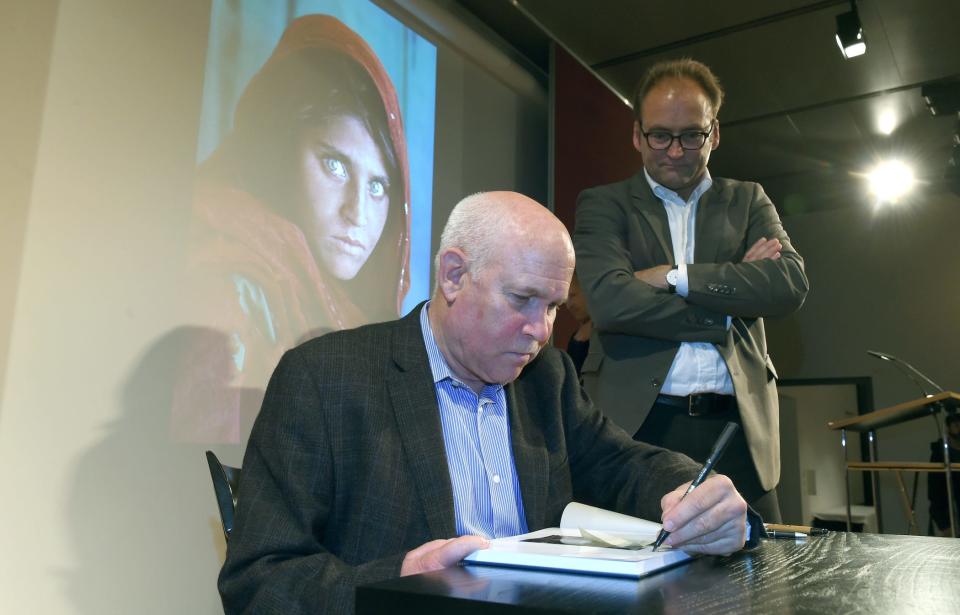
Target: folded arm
<point>620,302</point>
<point>768,281</point>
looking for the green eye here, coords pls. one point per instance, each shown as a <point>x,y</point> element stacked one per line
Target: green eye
<point>335,167</point>
<point>376,188</point>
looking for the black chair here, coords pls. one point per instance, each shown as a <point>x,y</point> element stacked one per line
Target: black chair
<point>225,481</point>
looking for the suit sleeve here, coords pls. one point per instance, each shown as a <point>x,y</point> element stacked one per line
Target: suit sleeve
<point>608,468</point>
<point>764,288</point>
<point>619,302</point>
<point>276,558</point>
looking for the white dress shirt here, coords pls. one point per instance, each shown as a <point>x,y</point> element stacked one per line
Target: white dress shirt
<point>698,366</point>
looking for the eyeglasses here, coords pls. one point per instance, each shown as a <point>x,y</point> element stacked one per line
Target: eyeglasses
<point>690,140</point>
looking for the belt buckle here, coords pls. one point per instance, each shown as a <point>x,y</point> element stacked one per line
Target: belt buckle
<point>693,405</point>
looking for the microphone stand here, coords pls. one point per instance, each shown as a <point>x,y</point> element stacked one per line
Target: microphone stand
<point>912,373</point>
<point>909,370</point>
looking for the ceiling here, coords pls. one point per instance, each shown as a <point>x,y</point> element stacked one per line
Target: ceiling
<point>797,117</point>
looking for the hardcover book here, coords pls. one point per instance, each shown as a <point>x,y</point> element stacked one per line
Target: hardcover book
<point>589,540</point>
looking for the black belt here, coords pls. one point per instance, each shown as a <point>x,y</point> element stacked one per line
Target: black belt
<point>701,404</point>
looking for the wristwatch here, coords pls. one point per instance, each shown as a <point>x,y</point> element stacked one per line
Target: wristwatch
<point>673,276</point>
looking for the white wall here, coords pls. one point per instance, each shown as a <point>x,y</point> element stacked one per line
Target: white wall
<point>102,511</point>
<point>812,478</point>
<point>102,514</point>
<point>26,34</point>
<point>886,280</point>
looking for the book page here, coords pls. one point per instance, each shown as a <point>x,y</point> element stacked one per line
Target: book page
<point>608,527</point>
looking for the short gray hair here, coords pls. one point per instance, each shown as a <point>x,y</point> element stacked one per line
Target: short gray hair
<point>474,226</point>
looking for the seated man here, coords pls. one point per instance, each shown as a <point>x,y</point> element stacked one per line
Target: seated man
<point>376,446</point>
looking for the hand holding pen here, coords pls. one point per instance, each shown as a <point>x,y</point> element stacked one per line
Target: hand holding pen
<point>726,502</point>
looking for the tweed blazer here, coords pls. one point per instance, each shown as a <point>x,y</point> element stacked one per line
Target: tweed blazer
<point>622,228</point>
<point>346,469</point>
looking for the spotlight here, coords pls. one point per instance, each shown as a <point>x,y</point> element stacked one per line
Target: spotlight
<point>850,33</point>
<point>891,180</point>
<point>942,98</point>
<point>887,122</point>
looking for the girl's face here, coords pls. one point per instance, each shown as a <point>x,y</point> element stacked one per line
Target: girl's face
<point>345,193</point>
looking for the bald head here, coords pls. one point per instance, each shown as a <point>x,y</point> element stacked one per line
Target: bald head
<point>486,223</point>
<point>503,267</point>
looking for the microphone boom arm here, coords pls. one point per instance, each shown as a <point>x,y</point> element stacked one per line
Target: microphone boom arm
<point>911,371</point>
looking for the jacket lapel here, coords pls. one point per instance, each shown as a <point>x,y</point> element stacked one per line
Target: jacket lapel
<point>530,459</point>
<point>418,420</point>
<point>711,217</point>
<point>651,209</point>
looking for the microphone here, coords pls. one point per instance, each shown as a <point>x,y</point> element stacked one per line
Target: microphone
<point>911,371</point>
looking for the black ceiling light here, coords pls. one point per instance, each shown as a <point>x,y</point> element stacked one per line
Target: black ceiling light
<point>850,33</point>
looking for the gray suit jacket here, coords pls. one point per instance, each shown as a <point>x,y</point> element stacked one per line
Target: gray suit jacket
<point>346,469</point>
<point>622,228</point>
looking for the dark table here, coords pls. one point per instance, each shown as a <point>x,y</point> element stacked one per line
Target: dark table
<point>837,573</point>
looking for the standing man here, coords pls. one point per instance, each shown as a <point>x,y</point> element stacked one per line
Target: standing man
<point>679,269</point>
<point>401,447</point>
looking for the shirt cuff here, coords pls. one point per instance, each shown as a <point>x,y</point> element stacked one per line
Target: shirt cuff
<point>683,285</point>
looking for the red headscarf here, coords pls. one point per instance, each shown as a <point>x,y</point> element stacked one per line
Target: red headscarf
<point>252,274</point>
<point>268,232</point>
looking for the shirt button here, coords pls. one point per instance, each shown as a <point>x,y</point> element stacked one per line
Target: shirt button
<point>480,409</point>
<point>496,478</point>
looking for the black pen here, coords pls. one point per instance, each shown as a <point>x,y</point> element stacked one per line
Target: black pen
<point>712,460</point>
<point>787,535</point>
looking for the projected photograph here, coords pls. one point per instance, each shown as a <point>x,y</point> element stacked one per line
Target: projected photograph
<point>312,201</point>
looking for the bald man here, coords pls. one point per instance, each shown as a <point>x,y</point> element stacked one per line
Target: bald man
<point>401,447</point>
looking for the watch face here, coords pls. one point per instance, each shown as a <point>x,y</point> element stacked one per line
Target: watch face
<point>672,276</point>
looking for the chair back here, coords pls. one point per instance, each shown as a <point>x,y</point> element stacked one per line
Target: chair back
<point>225,480</point>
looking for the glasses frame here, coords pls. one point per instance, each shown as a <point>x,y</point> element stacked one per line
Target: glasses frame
<point>673,137</point>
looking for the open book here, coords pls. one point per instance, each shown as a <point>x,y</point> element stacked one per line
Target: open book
<point>590,540</point>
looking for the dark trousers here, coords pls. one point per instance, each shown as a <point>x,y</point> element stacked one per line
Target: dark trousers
<point>672,427</point>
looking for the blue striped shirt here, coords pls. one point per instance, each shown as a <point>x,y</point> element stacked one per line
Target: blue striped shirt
<point>476,434</point>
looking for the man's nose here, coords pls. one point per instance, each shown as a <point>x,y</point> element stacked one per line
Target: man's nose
<point>540,327</point>
<point>675,150</point>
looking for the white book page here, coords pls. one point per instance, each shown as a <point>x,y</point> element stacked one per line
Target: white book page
<point>610,527</point>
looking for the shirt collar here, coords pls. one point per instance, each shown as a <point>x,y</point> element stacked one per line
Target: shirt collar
<point>666,194</point>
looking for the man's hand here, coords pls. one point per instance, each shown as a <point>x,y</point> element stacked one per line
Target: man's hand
<point>764,248</point>
<point>712,519</point>
<point>654,276</point>
<point>442,553</point>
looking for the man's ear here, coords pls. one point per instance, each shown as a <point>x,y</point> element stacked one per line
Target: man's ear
<point>453,268</point>
<point>637,135</point>
<point>715,136</point>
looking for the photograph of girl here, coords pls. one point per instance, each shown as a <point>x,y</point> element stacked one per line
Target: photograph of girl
<point>300,224</point>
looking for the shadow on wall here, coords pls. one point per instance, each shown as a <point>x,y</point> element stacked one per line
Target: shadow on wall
<point>141,510</point>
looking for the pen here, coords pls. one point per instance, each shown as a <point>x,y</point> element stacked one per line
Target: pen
<point>712,460</point>
<point>803,529</point>
<point>789,535</point>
